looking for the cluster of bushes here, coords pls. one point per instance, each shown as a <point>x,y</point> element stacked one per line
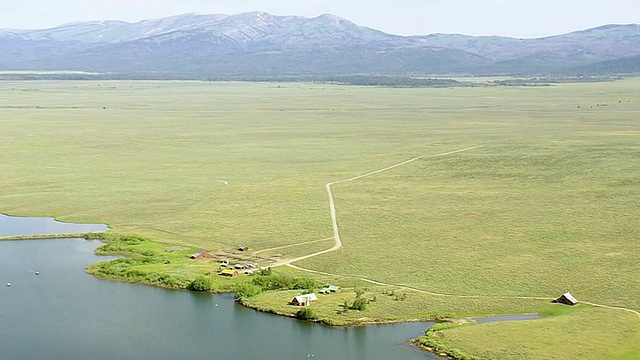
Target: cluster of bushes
<point>115,243</point>
<point>359,303</point>
<point>201,283</point>
<point>399,297</point>
<point>266,281</point>
<point>282,282</point>
<point>125,269</point>
<point>245,290</point>
<point>306,314</point>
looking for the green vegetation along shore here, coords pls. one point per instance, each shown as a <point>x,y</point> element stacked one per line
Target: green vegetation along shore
<point>546,202</point>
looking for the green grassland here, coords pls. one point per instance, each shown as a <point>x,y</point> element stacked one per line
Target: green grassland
<point>387,304</point>
<point>550,202</point>
<point>593,333</point>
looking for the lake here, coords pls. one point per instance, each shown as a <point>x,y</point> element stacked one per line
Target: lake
<point>24,226</point>
<point>64,313</point>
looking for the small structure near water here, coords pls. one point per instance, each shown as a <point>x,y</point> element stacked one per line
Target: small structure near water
<point>201,254</point>
<point>304,300</point>
<point>566,299</point>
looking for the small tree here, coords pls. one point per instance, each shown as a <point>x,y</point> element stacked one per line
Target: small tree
<point>201,283</point>
<point>360,304</point>
<point>306,314</point>
<point>245,290</point>
<point>305,283</point>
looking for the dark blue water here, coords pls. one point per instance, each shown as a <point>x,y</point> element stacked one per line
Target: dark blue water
<point>64,313</point>
<point>15,226</point>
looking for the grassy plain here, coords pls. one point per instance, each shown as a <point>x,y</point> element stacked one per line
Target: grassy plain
<point>594,334</point>
<point>549,203</point>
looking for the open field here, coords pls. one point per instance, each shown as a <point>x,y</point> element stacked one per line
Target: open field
<point>595,334</point>
<point>550,202</point>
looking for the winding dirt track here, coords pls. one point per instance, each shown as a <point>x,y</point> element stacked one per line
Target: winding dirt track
<point>338,245</point>
<point>332,206</point>
<point>289,246</point>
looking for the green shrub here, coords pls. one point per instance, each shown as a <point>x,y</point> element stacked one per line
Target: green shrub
<point>201,283</point>
<point>305,283</point>
<point>306,314</point>
<point>245,290</point>
<point>359,304</point>
<point>281,282</point>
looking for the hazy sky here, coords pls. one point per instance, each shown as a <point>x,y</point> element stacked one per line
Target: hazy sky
<point>519,18</point>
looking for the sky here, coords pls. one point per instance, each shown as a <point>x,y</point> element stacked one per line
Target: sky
<point>515,18</point>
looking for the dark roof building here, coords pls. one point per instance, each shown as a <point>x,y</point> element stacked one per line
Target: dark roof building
<point>201,254</point>
<point>566,299</point>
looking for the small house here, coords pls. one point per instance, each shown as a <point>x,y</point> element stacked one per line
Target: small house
<point>243,248</point>
<point>566,299</point>
<point>304,300</point>
<point>201,254</point>
<point>228,273</point>
<point>327,289</point>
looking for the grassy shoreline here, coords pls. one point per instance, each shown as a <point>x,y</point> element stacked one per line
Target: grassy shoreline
<point>141,253</point>
<point>42,237</point>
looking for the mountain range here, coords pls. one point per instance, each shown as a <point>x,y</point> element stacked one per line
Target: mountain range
<point>260,44</point>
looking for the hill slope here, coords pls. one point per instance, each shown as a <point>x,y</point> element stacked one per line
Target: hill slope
<point>258,43</point>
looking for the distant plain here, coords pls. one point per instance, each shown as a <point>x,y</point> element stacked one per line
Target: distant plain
<point>550,202</point>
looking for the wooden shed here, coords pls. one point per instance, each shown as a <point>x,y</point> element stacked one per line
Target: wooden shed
<point>304,300</point>
<point>566,299</point>
<point>201,254</point>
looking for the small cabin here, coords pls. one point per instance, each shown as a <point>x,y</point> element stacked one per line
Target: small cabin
<point>228,273</point>
<point>330,289</point>
<point>201,254</point>
<point>304,300</point>
<point>566,299</point>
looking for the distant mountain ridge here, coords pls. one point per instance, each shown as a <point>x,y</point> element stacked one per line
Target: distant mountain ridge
<point>258,43</point>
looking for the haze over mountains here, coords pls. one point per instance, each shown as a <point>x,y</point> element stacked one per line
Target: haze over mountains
<point>259,44</point>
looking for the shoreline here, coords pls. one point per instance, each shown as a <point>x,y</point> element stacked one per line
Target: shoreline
<point>44,237</point>
<point>100,236</point>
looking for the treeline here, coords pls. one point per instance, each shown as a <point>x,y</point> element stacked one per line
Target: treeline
<point>549,80</point>
<point>396,81</point>
<point>356,80</point>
